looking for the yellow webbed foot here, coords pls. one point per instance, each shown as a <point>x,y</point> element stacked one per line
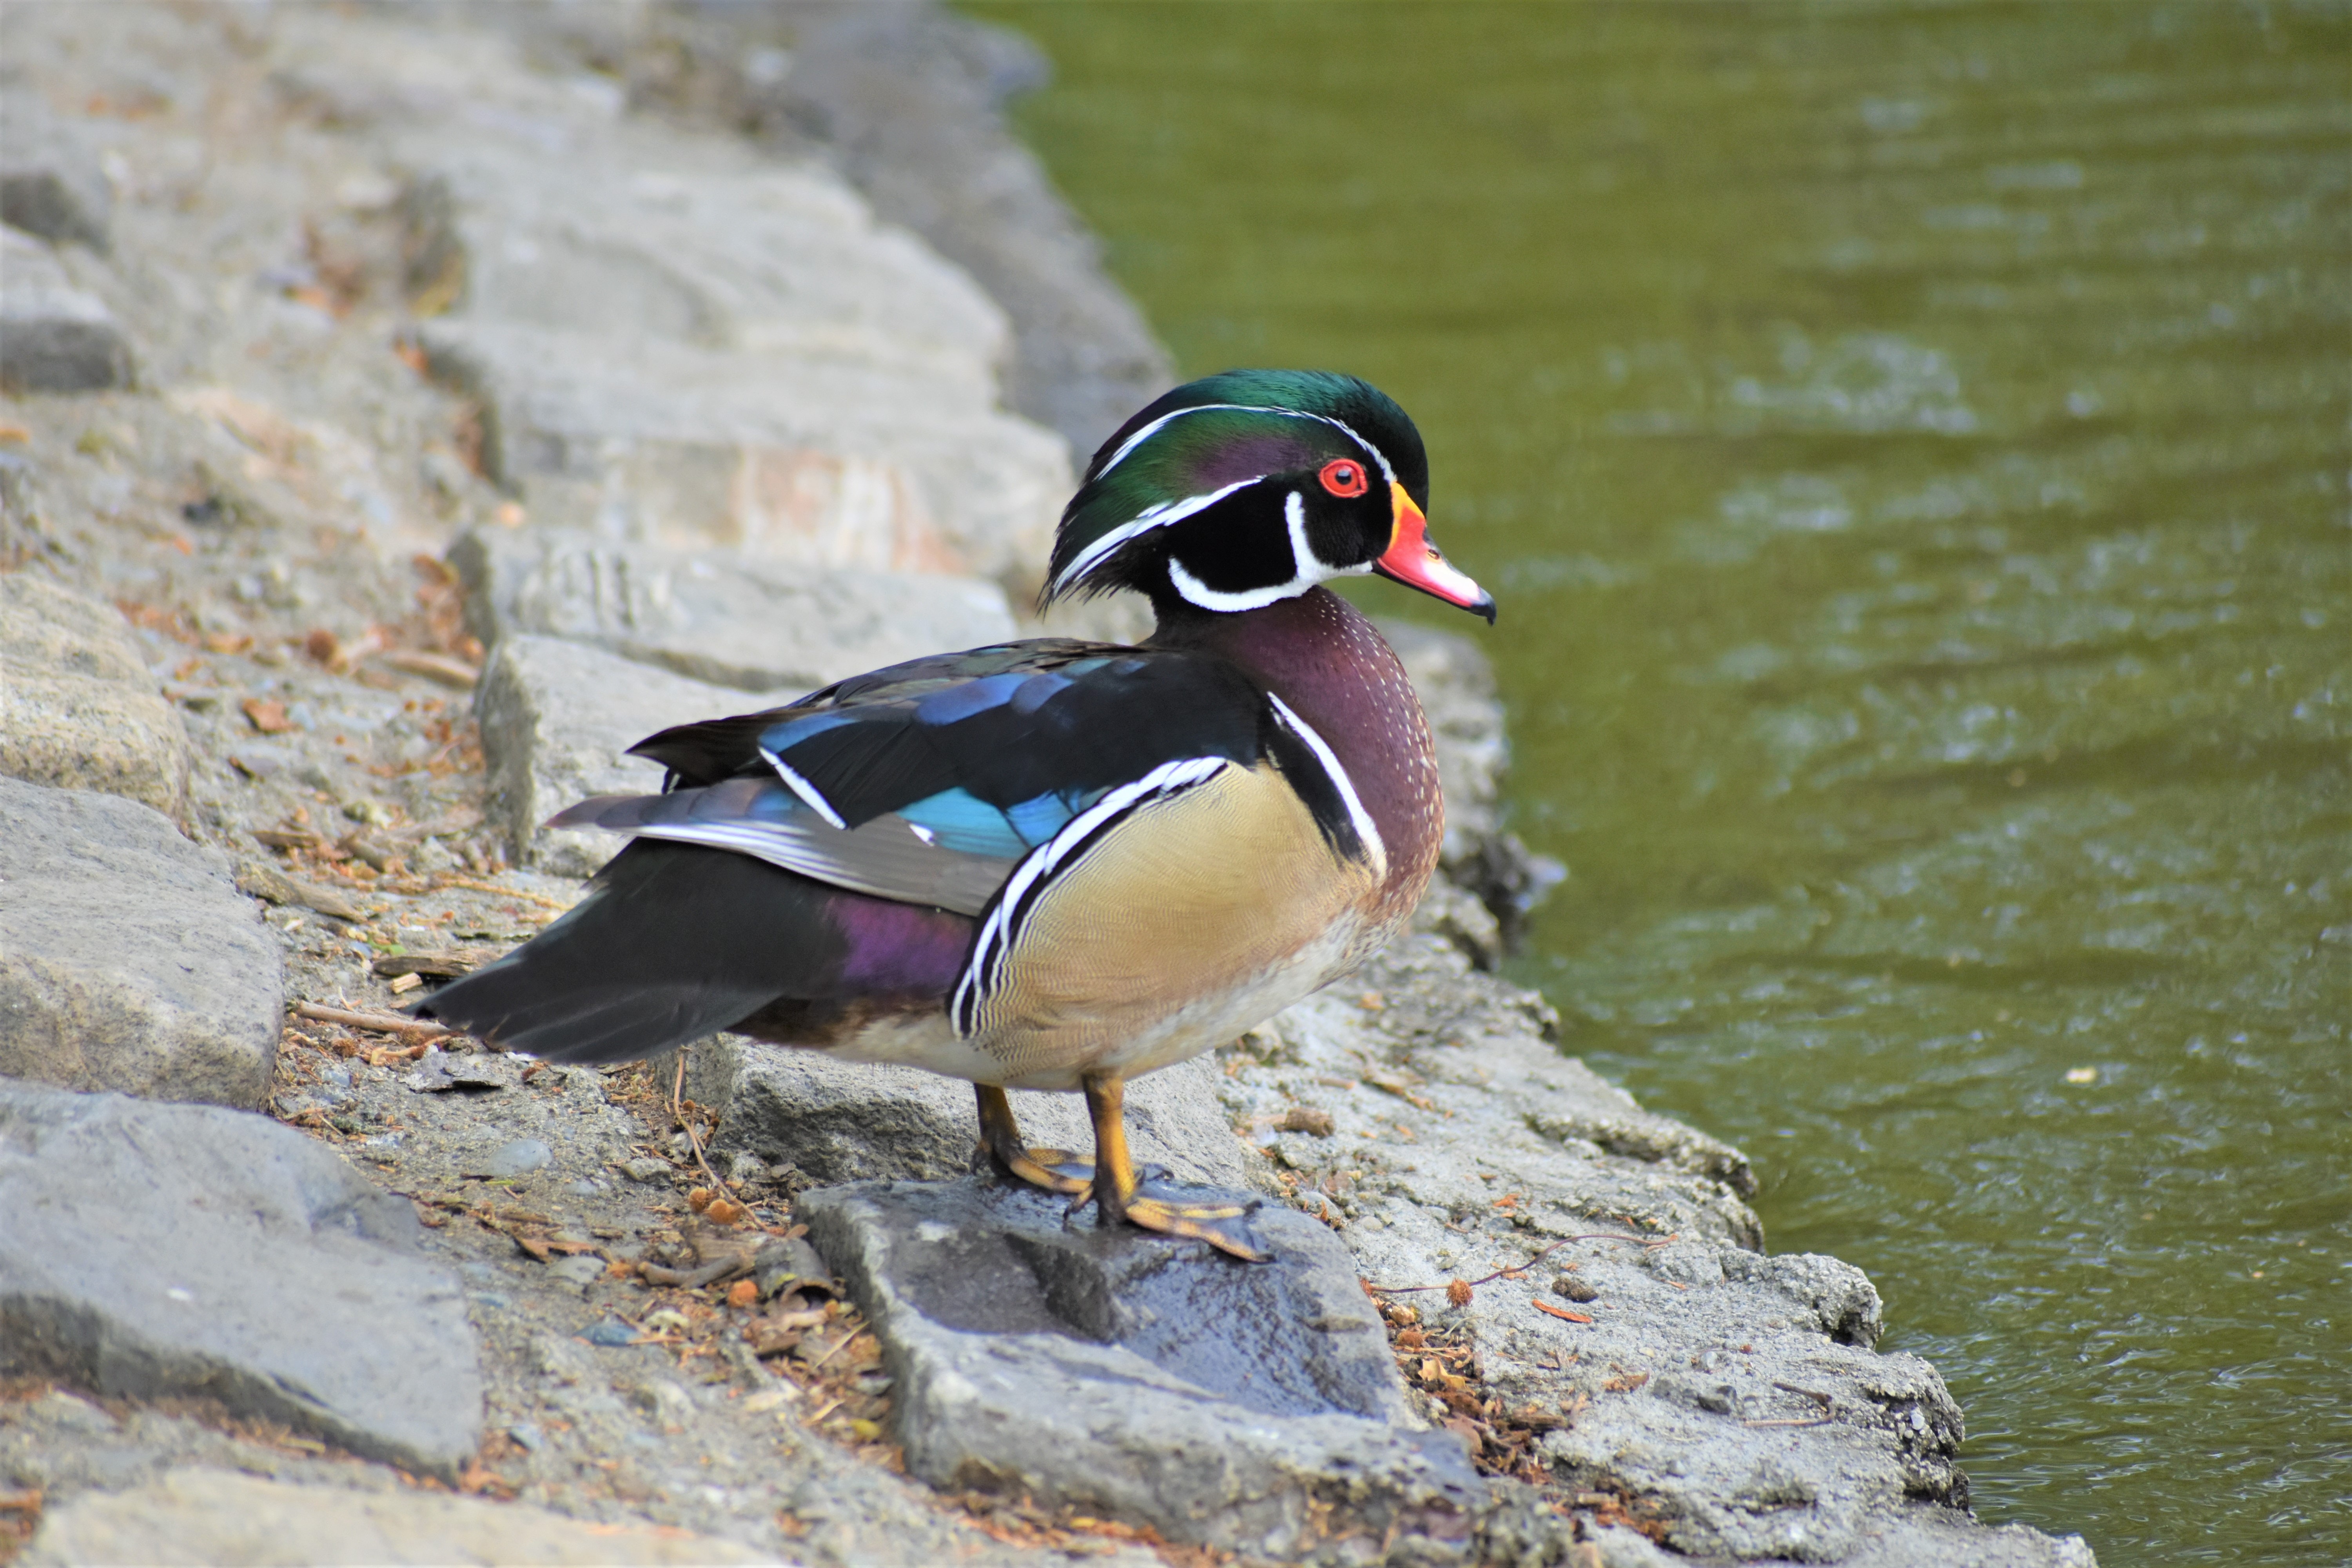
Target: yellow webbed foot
<point>1055,1170</point>
<point>1225,1224</point>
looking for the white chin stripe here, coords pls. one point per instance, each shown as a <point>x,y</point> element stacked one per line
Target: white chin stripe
<point>1308,568</point>
<point>1199,593</point>
<point>1366,828</point>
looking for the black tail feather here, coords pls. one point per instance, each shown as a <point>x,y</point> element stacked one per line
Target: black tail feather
<point>675,942</point>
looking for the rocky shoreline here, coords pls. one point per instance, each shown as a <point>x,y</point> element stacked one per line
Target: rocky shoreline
<point>406,409</point>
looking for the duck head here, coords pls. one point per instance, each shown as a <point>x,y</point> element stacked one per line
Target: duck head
<point>1243,489</point>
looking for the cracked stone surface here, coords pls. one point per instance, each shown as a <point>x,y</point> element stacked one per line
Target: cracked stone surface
<point>78,708</point>
<point>741,620</point>
<point>127,958</point>
<point>236,1259</point>
<point>1251,1407</point>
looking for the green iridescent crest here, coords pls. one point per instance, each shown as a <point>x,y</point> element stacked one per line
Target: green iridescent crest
<point>1211,437</point>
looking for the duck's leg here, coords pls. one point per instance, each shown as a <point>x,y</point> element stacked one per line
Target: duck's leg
<point>1152,1200</point>
<point>1055,1170</point>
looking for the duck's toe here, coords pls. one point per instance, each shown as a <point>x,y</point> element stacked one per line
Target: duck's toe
<point>1205,1215</point>
<point>1055,1170</point>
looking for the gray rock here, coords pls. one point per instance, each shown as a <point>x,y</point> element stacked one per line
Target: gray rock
<point>1462,1143</point>
<point>195,1517</point>
<point>1254,1408</point>
<point>438,1071</point>
<point>128,959</point>
<point>845,1122</point>
<point>54,336</point>
<point>908,95</point>
<point>557,720</point>
<point>78,708</point>
<point>155,1250</point>
<point>50,183</point>
<point>718,615</point>
<point>677,340</point>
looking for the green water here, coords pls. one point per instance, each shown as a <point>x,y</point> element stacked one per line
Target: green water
<point>1909,445</point>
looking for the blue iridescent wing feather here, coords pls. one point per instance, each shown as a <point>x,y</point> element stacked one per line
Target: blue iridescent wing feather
<point>943,772</point>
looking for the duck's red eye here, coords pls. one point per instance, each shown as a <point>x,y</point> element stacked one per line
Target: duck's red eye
<point>1343,478</point>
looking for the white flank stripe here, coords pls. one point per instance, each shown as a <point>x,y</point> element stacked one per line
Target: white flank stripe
<point>1366,829</point>
<point>803,788</point>
<point>1002,929</point>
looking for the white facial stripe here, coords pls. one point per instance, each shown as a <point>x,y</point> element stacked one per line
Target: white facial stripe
<point>1310,568</point>
<point>1366,828</point>
<point>803,788</point>
<point>1132,442</point>
<point>1303,558</point>
<point>1144,521</point>
<point>1002,929</point>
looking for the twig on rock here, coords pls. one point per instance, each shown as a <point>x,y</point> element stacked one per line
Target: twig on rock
<point>693,1140</point>
<point>506,892</point>
<point>376,1023</point>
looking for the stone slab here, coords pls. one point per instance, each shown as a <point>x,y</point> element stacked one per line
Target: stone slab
<point>908,95</point>
<point>78,708</point>
<point>153,1250</point>
<point>128,959</point>
<point>1250,1407</point>
<point>50,184</point>
<point>847,1121</point>
<point>557,719</point>
<point>196,1517</point>
<point>675,340</point>
<point>718,616</point>
<point>54,336</point>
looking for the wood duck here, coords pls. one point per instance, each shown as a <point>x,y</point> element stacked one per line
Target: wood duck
<point>1051,864</point>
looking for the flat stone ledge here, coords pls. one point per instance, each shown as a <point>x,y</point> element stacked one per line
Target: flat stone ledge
<point>54,336</point>
<point>153,1250</point>
<point>50,183</point>
<point>1251,1407</point>
<point>557,720</point>
<point>77,707</point>
<point>195,1517</point>
<point>718,616</point>
<point>128,959</point>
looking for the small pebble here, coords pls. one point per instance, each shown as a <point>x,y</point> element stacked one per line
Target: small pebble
<point>580,1270</point>
<point>1313,1120</point>
<point>528,1435</point>
<point>645,1168</point>
<point>611,1332</point>
<point>520,1158</point>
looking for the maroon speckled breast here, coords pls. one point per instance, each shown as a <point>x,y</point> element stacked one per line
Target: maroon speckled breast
<point>1319,655</point>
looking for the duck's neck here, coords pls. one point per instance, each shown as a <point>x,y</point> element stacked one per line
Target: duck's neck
<point>1335,670</point>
